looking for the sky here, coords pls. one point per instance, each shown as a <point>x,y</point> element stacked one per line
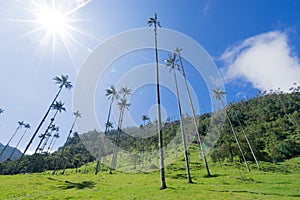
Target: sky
<point>254,45</point>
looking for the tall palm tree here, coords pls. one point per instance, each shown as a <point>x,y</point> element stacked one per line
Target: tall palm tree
<point>58,163</point>
<point>171,63</point>
<point>62,82</point>
<point>20,125</point>
<point>218,94</point>
<point>153,22</point>
<point>109,125</point>
<point>59,107</point>
<point>245,136</point>
<point>144,118</point>
<point>122,106</point>
<point>49,135</point>
<point>27,126</point>
<point>177,51</point>
<point>1,111</point>
<point>112,95</point>
<point>53,140</point>
<point>125,91</point>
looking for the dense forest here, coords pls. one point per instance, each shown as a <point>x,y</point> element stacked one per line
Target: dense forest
<point>272,125</point>
<point>74,155</point>
<point>271,122</point>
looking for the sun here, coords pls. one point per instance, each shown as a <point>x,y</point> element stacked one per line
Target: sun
<point>52,17</point>
<point>53,24</point>
<point>53,21</point>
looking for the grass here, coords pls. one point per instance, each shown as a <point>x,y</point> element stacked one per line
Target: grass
<point>229,181</point>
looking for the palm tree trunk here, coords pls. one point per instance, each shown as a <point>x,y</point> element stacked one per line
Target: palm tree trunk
<point>50,144</point>
<point>117,140</point>
<point>252,152</point>
<point>53,144</point>
<point>97,167</point>
<point>143,146</point>
<point>65,167</point>
<point>18,144</point>
<point>237,141</point>
<point>182,132</point>
<point>194,120</point>
<point>159,126</point>
<point>58,162</point>
<point>46,132</point>
<point>7,144</point>
<point>108,116</point>
<point>36,131</point>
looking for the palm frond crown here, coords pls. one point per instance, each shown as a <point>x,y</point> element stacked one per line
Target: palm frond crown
<point>63,81</point>
<point>59,106</point>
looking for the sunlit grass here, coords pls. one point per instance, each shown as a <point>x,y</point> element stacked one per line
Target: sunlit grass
<point>229,181</point>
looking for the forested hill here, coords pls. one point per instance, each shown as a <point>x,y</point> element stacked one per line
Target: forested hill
<point>271,123</point>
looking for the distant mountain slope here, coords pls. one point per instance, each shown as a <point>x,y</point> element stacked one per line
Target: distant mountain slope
<point>17,154</point>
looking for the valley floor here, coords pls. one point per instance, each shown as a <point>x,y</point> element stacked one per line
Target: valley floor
<point>228,182</point>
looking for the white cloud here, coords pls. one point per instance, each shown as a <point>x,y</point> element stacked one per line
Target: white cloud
<point>264,60</point>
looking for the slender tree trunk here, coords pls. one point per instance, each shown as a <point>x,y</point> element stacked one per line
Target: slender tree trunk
<point>13,135</point>
<point>194,120</point>
<point>252,152</point>
<point>53,144</point>
<point>97,167</point>
<point>143,146</point>
<point>18,144</point>
<point>62,152</point>
<point>45,134</point>
<point>182,132</point>
<point>36,131</point>
<point>108,116</point>
<point>50,144</point>
<point>237,141</point>
<point>159,127</point>
<point>116,147</point>
<point>65,166</point>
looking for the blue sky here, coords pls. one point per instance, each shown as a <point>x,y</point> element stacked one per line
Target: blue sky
<point>255,44</point>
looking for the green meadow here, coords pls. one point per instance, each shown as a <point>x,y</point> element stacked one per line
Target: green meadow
<point>229,181</point>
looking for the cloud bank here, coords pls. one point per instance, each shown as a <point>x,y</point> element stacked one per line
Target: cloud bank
<point>264,60</point>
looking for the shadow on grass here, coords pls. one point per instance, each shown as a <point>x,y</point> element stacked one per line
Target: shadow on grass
<point>179,176</point>
<point>78,186</point>
<point>183,176</point>
<point>260,193</point>
<point>213,175</point>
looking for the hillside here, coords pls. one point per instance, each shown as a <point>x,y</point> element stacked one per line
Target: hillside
<point>270,121</point>
<point>8,151</point>
<point>229,181</point>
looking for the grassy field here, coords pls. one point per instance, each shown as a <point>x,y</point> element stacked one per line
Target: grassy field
<point>229,181</point>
